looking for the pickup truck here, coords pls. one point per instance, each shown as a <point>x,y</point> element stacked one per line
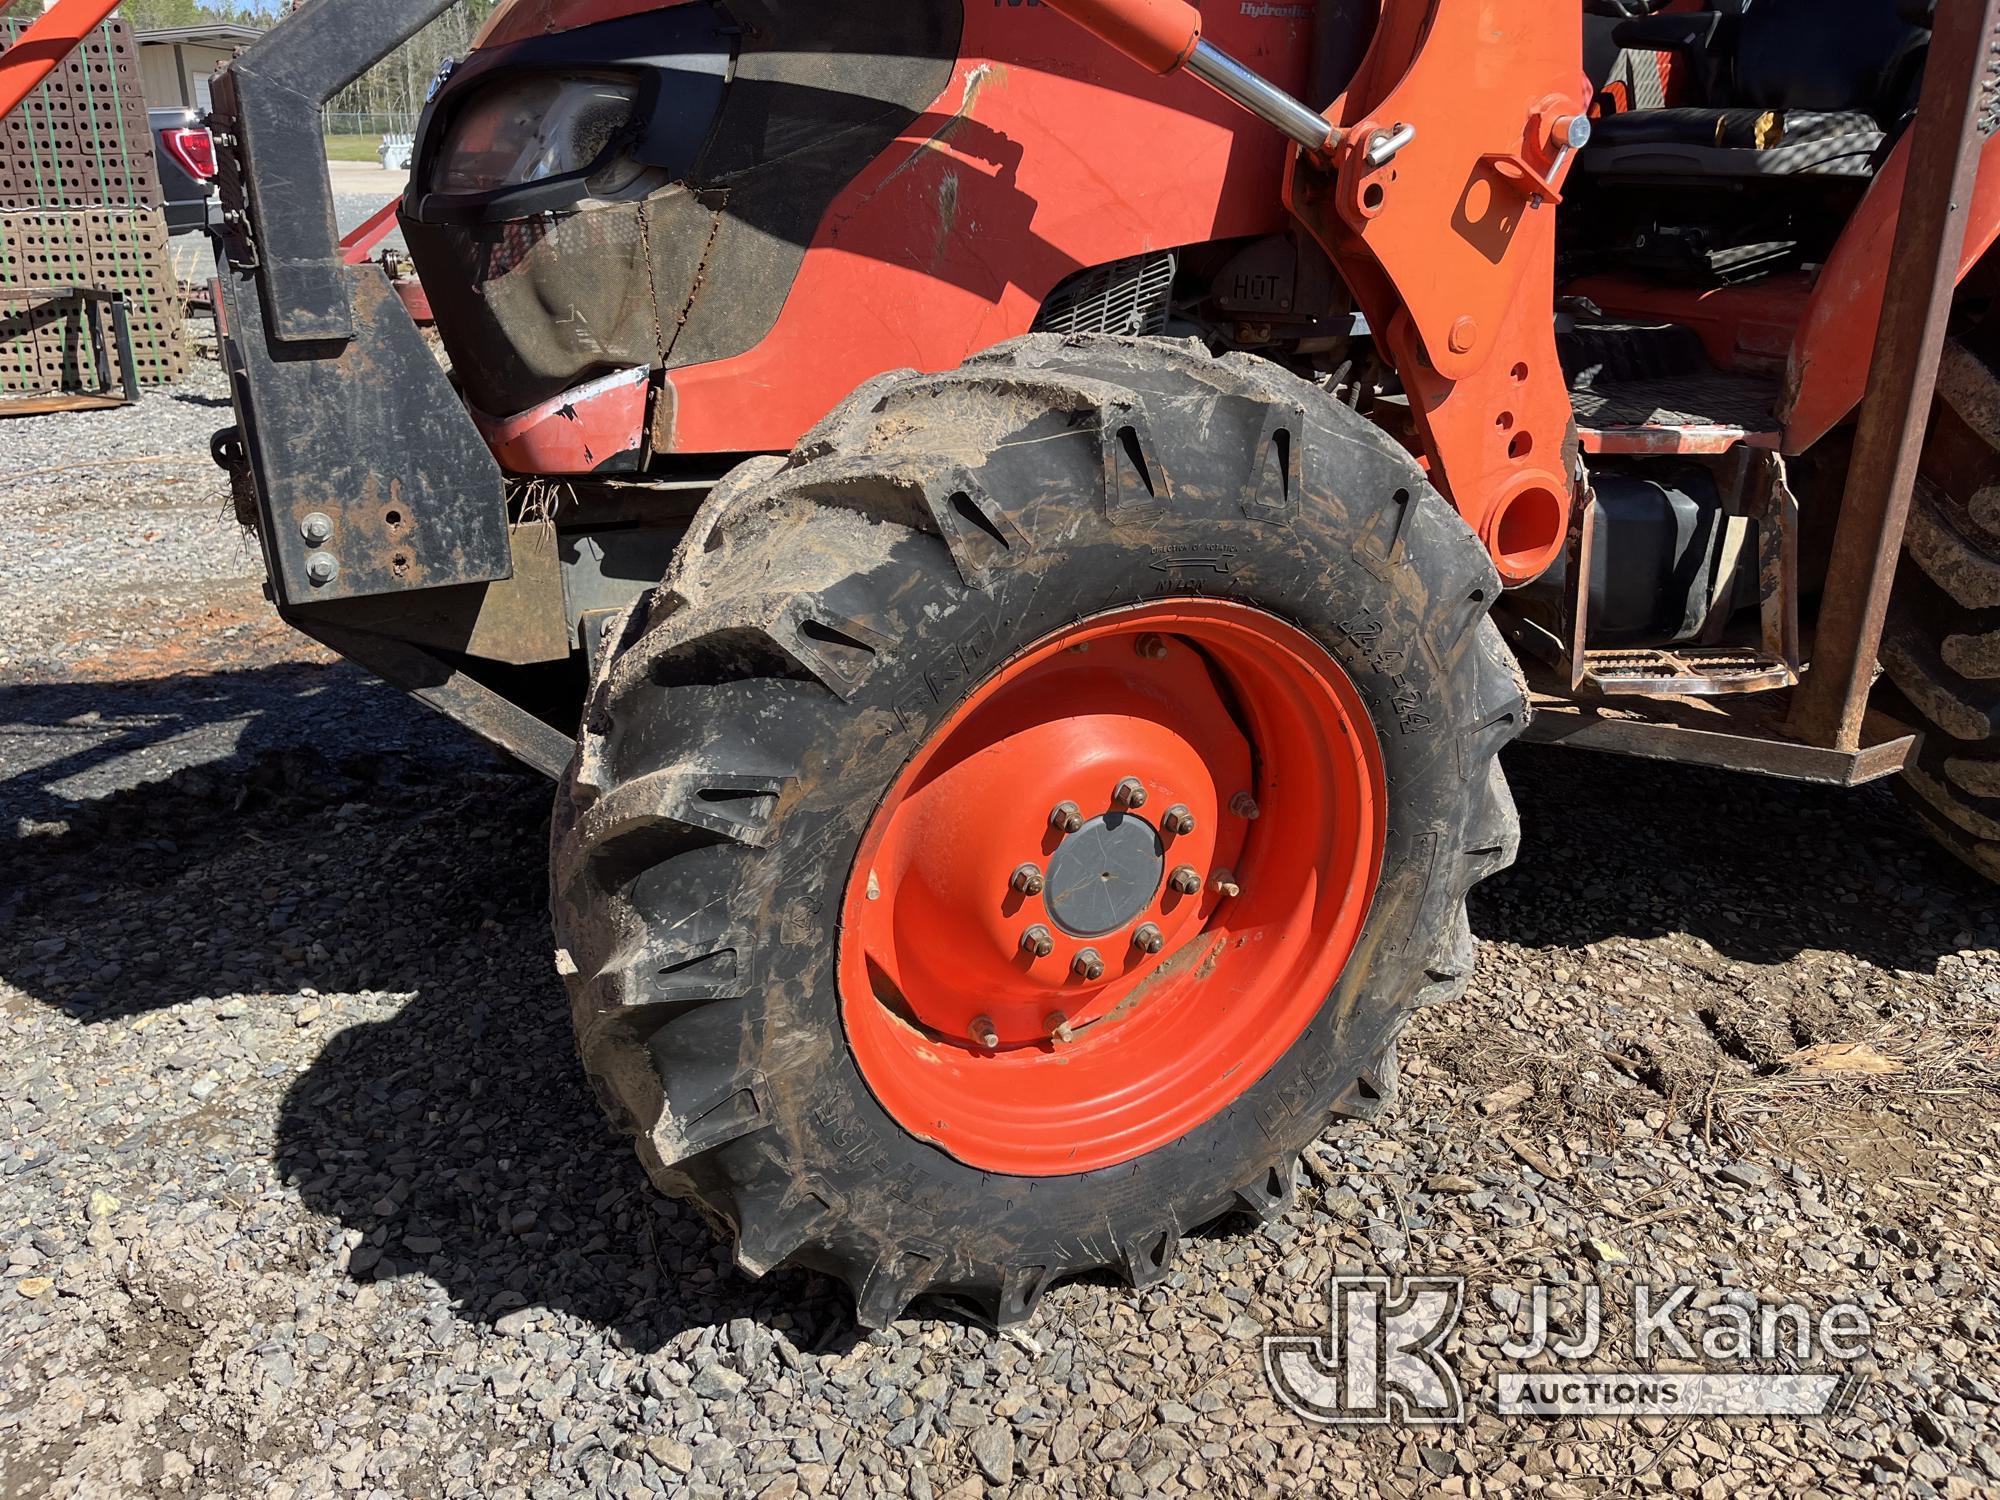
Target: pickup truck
<point>185,152</point>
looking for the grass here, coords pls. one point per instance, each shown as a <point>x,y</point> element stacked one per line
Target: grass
<point>352,147</point>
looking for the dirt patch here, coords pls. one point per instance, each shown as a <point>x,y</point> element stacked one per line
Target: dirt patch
<point>195,639</point>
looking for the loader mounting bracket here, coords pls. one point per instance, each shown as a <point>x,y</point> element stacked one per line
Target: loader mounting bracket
<point>370,476</point>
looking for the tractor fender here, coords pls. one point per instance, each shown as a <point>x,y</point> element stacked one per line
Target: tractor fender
<point>1835,345</point>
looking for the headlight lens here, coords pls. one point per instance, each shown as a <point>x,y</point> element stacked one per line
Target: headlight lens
<point>531,129</point>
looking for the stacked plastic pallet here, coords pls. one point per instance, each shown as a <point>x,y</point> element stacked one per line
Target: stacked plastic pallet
<point>80,206</point>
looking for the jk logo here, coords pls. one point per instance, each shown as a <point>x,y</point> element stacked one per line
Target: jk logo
<point>1381,1359</point>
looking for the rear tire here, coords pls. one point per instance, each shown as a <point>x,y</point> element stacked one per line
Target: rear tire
<point>825,616</point>
<point>1941,651</point>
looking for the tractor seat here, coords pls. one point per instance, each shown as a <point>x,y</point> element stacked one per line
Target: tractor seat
<point>1736,144</point>
<point>1791,88</point>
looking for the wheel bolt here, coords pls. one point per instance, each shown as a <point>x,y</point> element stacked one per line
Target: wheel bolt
<point>1178,821</point>
<point>1066,818</point>
<point>1151,647</point>
<point>983,1032</point>
<point>1186,880</point>
<point>1058,1027</point>
<point>1129,794</point>
<point>1088,966</point>
<point>1244,806</point>
<point>1036,941</point>
<point>1225,884</point>
<point>1147,939</point>
<point>1027,880</point>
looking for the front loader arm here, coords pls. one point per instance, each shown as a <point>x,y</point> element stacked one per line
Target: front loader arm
<point>1433,186</point>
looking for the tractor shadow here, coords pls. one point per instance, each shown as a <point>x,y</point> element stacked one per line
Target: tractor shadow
<point>275,832</point>
<point>1762,870</point>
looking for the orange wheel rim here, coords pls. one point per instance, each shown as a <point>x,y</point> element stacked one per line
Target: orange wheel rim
<point>1113,889</point>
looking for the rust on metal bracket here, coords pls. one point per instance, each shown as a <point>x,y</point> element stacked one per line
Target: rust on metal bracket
<point>519,620</point>
<point>1743,736</point>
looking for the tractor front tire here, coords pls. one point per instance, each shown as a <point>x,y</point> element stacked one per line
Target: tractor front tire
<point>1025,817</point>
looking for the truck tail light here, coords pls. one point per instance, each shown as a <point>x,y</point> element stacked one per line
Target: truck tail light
<point>193,148</point>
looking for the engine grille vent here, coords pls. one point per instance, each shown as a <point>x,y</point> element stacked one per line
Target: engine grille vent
<point>1128,296</point>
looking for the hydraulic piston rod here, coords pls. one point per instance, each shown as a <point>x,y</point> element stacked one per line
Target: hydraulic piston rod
<point>1165,36</point>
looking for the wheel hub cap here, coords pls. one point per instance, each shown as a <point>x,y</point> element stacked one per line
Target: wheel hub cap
<point>1105,874</point>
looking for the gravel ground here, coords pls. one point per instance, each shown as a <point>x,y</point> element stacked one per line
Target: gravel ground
<point>301,1192</point>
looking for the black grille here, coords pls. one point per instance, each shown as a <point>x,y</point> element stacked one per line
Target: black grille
<point>1128,296</point>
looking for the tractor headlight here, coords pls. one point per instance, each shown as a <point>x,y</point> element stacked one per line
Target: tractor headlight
<point>533,129</point>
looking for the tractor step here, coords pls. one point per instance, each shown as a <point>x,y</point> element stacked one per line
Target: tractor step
<point>1708,663</point>
<point>1708,672</point>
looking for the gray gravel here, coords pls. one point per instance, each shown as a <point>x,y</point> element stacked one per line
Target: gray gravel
<point>129,501</point>
<point>301,1192</point>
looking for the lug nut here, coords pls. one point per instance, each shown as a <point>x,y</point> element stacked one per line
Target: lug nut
<point>1066,818</point>
<point>1186,880</point>
<point>1057,1025</point>
<point>1245,807</point>
<point>983,1032</point>
<point>1178,821</point>
<point>1225,884</point>
<point>1027,880</point>
<point>1087,966</point>
<point>1036,941</point>
<point>1129,794</point>
<point>1151,647</point>
<point>1147,938</point>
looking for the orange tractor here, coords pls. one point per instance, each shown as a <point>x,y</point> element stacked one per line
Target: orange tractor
<point>1023,528</point>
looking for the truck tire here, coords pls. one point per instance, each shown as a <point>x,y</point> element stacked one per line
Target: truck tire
<point>1002,665</point>
<point>1941,651</point>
